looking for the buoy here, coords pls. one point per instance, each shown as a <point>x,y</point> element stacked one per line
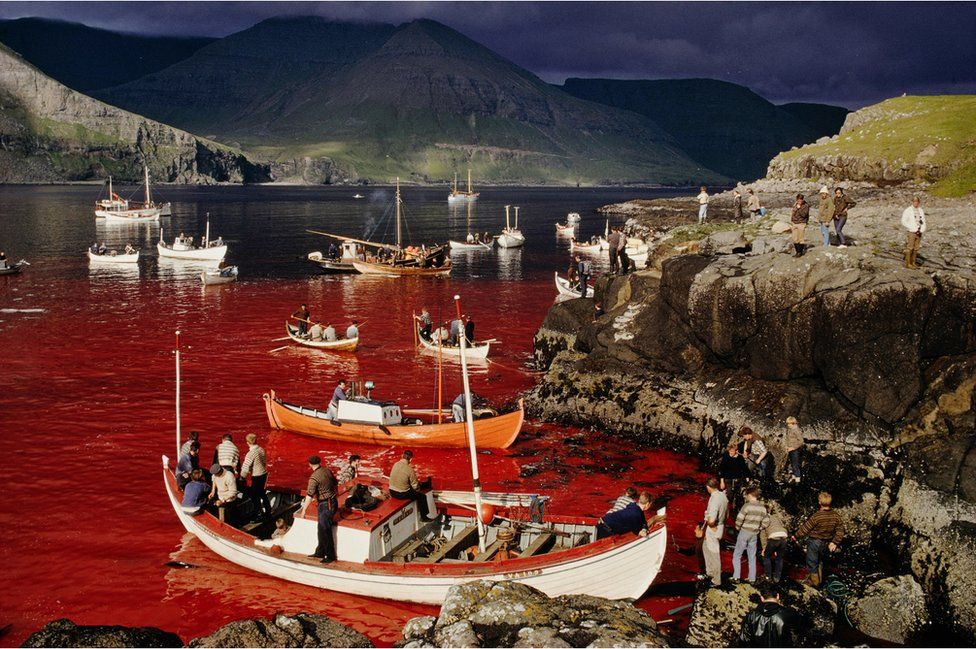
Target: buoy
<point>487,513</point>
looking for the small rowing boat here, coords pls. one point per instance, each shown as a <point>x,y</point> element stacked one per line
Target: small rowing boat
<point>373,422</point>
<point>476,351</point>
<point>567,230</point>
<point>511,237</point>
<point>463,245</point>
<point>12,269</point>
<point>564,287</point>
<point>113,257</point>
<point>576,246</point>
<point>338,345</point>
<point>221,276</point>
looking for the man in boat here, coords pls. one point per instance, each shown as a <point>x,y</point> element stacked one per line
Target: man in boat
<point>303,316</point>
<point>339,394</point>
<point>426,323</point>
<point>469,330</point>
<point>457,408</point>
<point>322,489</point>
<point>315,333</point>
<point>333,250</point>
<point>571,272</point>
<point>93,248</point>
<point>457,325</point>
<point>187,464</point>
<point>629,519</point>
<point>194,436</point>
<point>329,334</point>
<point>353,330</point>
<point>195,493</point>
<point>129,249</point>
<point>350,471</point>
<point>102,249</point>
<point>224,490</point>
<point>405,486</point>
<point>256,466</point>
<point>227,455</point>
<point>470,238</point>
<point>630,496</point>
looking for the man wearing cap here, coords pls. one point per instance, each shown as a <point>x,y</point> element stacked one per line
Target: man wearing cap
<point>913,220</point>
<point>825,214</point>
<point>322,489</point>
<point>224,486</point>
<point>255,465</point>
<point>794,447</point>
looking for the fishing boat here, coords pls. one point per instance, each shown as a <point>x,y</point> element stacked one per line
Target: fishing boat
<point>565,287</point>
<point>511,237</point>
<point>398,261</point>
<point>113,257</point>
<point>350,251</point>
<point>391,552</point>
<point>116,208</point>
<point>577,246</point>
<point>457,196</point>
<point>209,251</point>
<point>567,230</point>
<point>464,245</point>
<point>475,351</point>
<point>364,421</point>
<point>340,345</point>
<point>12,269</point>
<point>219,276</point>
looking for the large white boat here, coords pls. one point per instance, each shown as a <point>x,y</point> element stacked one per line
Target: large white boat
<point>457,196</point>
<point>511,237</point>
<point>116,208</point>
<point>184,249</point>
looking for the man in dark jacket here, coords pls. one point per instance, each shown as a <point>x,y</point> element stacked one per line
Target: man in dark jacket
<point>768,625</point>
<point>798,225</point>
<point>630,518</point>
<point>841,204</point>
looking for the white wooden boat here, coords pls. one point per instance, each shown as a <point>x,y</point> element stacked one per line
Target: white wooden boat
<point>463,245</point>
<point>113,257</point>
<point>511,237</point>
<point>181,250</point>
<point>351,251</point>
<point>457,196</point>
<point>571,290</point>
<point>567,230</point>
<point>12,269</point>
<point>577,246</point>
<point>340,345</point>
<point>219,276</point>
<point>116,208</point>
<point>476,351</point>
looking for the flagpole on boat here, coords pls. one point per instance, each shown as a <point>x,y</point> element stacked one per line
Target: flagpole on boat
<point>469,420</point>
<point>178,393</point>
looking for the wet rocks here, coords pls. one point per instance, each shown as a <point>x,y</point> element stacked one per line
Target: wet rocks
<point>717,615</point>
<point>65,633</point>
<point>300,630</point>
<point>511,614</point>
<point>891,609</point>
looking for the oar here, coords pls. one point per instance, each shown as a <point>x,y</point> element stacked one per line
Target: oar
<point>278,349</point>
<point>280,339</point>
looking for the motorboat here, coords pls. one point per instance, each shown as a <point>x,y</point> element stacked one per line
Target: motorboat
<point>209,251</point>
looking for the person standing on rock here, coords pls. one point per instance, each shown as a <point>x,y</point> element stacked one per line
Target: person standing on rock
<point>841,204</point>
<point>622,254</point>
<point>751,519</point>
<point>755,209</point>
<point>714,528</point>
<point>773,538</point>
<point>758,457</point>
<point>913,220</point>
<point>798,225</point>
<point>613,240</point>
<point>732,474</point>
<point>770,624</point>
<point>825,214</point>
<point>702,205</point>
<point>823,531</point>
<point>584,269</point>
<point>737,204</point>
<point>794,448</point>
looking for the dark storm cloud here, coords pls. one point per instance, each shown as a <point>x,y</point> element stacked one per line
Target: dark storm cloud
<point>850,53</point>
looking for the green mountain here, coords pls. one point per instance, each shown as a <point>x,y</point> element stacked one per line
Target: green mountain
<point>905,139</point>
<point>419,100</point>
<point>722,125</point>
<point>85,58</point>
<point>51,133</point>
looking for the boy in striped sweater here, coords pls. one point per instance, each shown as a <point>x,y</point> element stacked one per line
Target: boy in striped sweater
<point>751,519</point>
<point>824,532</point>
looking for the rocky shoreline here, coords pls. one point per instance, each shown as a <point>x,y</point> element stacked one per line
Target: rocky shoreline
<point>877,361</point>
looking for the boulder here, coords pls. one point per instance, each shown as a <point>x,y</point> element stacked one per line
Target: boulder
<point>65,633</point>
<point>891,609</point>
<point>301,630</point>
<point>458,634</point>
<point>725,242</point>
<point>541,637</point>
<point>779,227</point>
<point>419,627</point>
<point>717,615</point>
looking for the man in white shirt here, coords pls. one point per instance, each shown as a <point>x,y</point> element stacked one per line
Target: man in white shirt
<point>255,465</point>
<point>715,515</point>
<point>353,330</point>
<point>227,455</point>
<point>315,333</point>
<point>913,220</point>
<point>702,205</point>
<point>330,333</point>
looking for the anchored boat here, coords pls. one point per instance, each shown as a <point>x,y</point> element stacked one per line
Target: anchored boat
<point>511,237</point>
<point>219,276</point>
<point>116,208</point>
<point>462,197</point>
<point>209,251</point>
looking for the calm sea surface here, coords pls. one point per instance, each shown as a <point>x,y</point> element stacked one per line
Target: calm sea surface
<point>86,390</point>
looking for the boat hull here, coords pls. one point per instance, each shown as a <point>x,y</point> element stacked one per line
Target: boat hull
<point>567,289</point>
<point>474,352</point>
<point>462,198</point>
<point>113,259</point>
<point>615,568</point>
<point>214,277</point>
<point>343,345</point>
<point>461,245</point>
<point>492,432</point>
<point>11,270</point>
<point>215,253</point>
<point>506,240</point>
<point>129,216</point>
<point>370,268</point>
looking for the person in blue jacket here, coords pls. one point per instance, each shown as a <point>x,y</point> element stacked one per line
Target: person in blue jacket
<point>629,519</point>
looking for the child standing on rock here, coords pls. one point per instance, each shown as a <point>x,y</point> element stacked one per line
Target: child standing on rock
<point>702,205</point>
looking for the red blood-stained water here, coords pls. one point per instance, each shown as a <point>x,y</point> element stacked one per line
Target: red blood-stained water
<point>87,409</point>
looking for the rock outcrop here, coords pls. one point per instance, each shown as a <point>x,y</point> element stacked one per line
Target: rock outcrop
<point>510,614</point>
<point>65,633</point>
<point>892,609</point>
<point>300,630</point>
<point>50,133</point>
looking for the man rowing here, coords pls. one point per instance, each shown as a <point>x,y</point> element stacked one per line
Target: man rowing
<point>353,330</point>
<point>303,316</point>
<point>426,323</point>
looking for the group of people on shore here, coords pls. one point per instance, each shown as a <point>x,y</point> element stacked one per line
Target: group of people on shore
<point>312,329</point>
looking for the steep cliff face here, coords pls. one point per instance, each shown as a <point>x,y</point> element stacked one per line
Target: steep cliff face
<point>49,132</point>
<point>903,140</point>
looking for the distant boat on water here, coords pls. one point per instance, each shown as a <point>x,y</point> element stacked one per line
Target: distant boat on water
<point>457,196</point>
<point>116,208</point>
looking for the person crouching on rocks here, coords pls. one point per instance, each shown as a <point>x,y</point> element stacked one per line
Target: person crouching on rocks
<point>913,220</point>
<point>798,225</point>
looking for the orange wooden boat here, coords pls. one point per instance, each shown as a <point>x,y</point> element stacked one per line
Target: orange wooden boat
<point>499,431</point>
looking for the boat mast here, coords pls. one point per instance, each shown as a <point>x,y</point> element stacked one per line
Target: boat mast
<point>454,185</point>
<point>177,394</point>
<point>145,169</point>
<point>469,421</point>
<point>469,180</point>
<point>206,238</point>
<point>507,226</point>
<point>110,195</point>
<point>516,217</point>
<point>399,244</point>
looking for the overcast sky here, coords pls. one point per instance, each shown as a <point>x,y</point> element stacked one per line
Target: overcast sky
<point>836,52</point>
